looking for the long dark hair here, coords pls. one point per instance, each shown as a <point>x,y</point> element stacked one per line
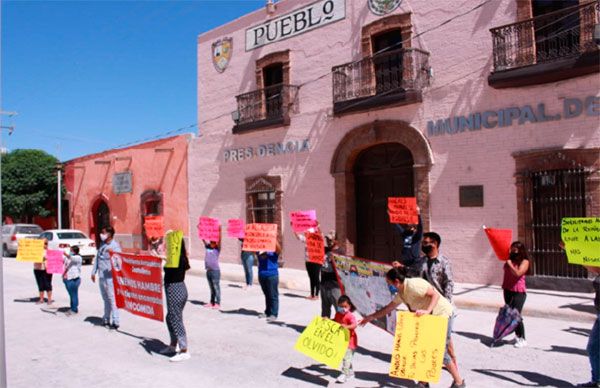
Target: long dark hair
<point>346,299</point>
<point>396,274</point>
<point>522,251</point>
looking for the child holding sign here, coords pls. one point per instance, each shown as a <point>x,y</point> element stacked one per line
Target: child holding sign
<point>346,319</point>
<point>213,272</point>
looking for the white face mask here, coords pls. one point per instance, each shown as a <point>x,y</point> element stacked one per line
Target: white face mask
<point>103,236</point>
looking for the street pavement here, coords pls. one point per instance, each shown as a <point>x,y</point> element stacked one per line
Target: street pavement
<point>234,348</point>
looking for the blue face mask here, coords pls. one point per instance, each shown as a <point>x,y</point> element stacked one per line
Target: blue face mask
<point>393,289</point>
<point>341,310</point>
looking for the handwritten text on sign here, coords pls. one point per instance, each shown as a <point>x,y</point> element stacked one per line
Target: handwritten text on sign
<point>324,341</point>
<point>174,240</point>
<point>315,247</point>
<point>54,261</point>
<point>419,346</point>
<point>30,249</point>
<point>138,284</point>
<point>303,220</point>
<point>260,237</point>
<point>403,210</point>
<point>582,240</point>
<point>235,228</point>
<point>209,229</point>
<point>154,226</point>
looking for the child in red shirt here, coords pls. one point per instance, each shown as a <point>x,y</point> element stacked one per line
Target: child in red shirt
<point>344,317</point>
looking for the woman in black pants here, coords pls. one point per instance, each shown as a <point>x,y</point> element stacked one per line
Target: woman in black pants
<point>515,291</point>
<point>313,269</point>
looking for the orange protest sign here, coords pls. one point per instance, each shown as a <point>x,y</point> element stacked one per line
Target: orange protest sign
<point>154,226</point>
<point>403,210</point>
<point>315,247</point>
<point>260,237</point>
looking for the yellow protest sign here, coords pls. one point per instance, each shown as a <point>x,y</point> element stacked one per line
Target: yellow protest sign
<point>173,240</point>
<point>30,249</point>
<point>419,346</point>
<point>581,237</point>
<point>325,341</point>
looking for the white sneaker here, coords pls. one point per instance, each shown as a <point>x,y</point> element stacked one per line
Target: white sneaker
<point>168,350</point>
<point>180,357</point>
<point>342,378</point>
<point>272,318</point>
<point>520,343</point>
<point>262,315</point>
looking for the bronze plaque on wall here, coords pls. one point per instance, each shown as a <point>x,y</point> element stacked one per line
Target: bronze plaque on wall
<point>470,196</point>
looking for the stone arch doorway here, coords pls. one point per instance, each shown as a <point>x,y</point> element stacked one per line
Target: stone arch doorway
<point>394,146</point>
<point>100,219</point>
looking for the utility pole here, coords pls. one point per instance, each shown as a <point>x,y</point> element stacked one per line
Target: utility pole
<point>59,188</point>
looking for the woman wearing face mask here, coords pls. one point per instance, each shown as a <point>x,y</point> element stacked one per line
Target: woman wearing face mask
<point>515,291</point>
<point>103,267</point>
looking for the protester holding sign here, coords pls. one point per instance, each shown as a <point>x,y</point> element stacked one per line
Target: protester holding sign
<point>43,279</point>
<point>515,290</point>
<point>72,277</point>
<point>330,288</point>
<point>412,235</point>
<point>268,277</point>
<point>347,320</point>
<point>593,345</point>
<point>312,268</point>
<point>213,271</point>
<point>103,268</point>
<point>177,295</point>
<point>422,299</point>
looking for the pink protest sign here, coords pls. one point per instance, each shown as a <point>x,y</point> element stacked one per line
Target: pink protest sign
<point>209,229</point>
<point>303,220</point>
<point>54,261</point>
<point>235,228</point>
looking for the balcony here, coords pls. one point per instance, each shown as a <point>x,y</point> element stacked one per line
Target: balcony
<point>548,48</point>
<point>265,108</point>
<point>388,79</point>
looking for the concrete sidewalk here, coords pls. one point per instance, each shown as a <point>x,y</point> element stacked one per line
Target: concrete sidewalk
<point>569,306</point>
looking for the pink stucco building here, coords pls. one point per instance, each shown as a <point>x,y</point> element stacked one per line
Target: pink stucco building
<point>120,187</point>
<point>488,114</point>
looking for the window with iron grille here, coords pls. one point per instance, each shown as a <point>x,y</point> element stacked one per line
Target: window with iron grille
<point>263,200</point>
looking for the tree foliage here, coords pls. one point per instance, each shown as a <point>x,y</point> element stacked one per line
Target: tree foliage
<point>28,184</point>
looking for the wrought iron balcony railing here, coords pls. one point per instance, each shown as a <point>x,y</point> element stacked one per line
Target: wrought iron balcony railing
<point>265,107</point>
<point>547,38</point>
<point>397,72</point>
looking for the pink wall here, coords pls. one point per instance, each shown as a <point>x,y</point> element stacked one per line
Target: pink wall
<point>159,165</point>
<point>461,59</point>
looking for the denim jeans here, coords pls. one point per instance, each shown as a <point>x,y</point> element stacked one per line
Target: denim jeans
<point>269,286</point>
<point>248,263</point>
<point>213,277</point>
<point>107,290</point>
<point>593,349</point>
<point>72,286</point>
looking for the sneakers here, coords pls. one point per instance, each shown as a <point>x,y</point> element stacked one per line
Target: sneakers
<point>168,350</point>
<point>272,318</point>
<point>105,323</point>
<point>461,385</point>
<point>114,326</point>
<point>262,315</point>
<point>520,343</point>
<point>41,301</point>
<point>342,378</point>
<point>180,357</point>
<point>209,305</point>
<point>216,306</point>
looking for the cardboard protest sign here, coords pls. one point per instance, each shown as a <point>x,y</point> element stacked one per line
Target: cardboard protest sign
<point>260,237</point>
<point>364,282</point>
<point>154,226</point>
<point>581,237</point>
<point>173,241</point>
<point>30,249</point>
<point>315,247</point>
<point>235,228</point>
<point>500,239</point>
<point>324,341</point>
<point>137,281</point>
<point>403,210</point>
<point>303,220</point>
<point>209,229</point>
<point>419,345</point>
<point>55,261</point>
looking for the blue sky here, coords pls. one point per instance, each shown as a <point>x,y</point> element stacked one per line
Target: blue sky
<point>85,76</point>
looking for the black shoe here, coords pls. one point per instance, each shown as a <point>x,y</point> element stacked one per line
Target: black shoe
<point>114,327</point>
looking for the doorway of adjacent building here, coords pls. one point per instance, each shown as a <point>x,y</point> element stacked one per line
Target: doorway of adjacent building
<point>273,84</point>
<point>151,205</point>
<point>556,33</point>
<point>387,60</point>
<point>101,218</point>
<point>380,172</point>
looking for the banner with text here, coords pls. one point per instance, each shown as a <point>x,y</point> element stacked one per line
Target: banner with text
<point>303,220</point>
<point>235,228</point>
<point>364,282</point>
<point>581,237</point>
<point>419,345</point>
<point>315,247</point>
<point>138,284</point>
<point>30,249</point>
<point>403,210</point>
<point>209,229</point>
<point>260,237</point>
<point>173,241</point>
<point>500,239</point>
<point>55,261</point>
<point>324,341</point>
<point>154,226</point>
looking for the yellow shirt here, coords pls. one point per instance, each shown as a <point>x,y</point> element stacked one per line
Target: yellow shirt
<point>414,296</point>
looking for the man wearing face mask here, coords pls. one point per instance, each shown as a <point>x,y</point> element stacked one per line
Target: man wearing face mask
<point>103,267</point>
<point>435,267</point>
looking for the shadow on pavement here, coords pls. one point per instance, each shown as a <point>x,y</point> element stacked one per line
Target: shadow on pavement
<point>558,294</point>
<point>26,300</point>
<point>383,380</point>
<point>96,321</point>
<point>154,346</point>
<point>234,286</point>
<point>584,308</point>
<point>375,354</point>
<point>484,339</point>
<point>579,331</point>
<point>197,302</point>
<point>567,350</point>
<point>55,311</point>
<point>536,379</point>
<point>290,295</point>
<point>299,374</point>
<point>241,311</point>
<point>292,326</point>
<point>323,372</point>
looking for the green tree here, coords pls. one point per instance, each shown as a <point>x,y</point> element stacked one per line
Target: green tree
<point>28,184</point>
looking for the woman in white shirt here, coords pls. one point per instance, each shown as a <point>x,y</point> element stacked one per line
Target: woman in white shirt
<point>72,277</point>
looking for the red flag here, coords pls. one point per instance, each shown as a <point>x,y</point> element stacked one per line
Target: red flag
<point>500,239</point>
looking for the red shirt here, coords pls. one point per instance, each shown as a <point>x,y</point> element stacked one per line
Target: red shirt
<point>348,319</point>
